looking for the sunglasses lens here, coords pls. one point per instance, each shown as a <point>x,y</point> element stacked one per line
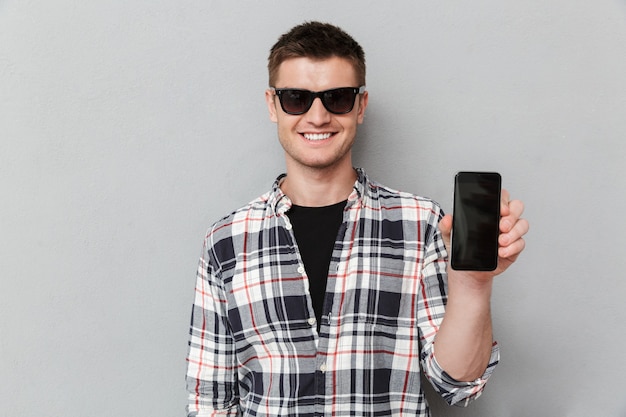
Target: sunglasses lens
<point>295,101</point>
<point>339,101</point>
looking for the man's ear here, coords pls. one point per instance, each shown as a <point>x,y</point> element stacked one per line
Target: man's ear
<point>362,105</point>
<point>271,104</point>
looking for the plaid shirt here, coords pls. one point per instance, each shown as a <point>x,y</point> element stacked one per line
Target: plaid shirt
<point>254,348</point>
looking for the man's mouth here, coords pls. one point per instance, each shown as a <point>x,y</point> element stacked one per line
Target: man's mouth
<point>316,136</point>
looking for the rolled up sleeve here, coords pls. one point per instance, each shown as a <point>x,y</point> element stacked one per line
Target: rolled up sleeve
<point>455,392</point>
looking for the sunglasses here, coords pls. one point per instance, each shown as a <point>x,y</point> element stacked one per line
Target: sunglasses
<point>337,100</point>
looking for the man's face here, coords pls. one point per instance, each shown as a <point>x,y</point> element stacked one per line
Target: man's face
<point>316,139</point>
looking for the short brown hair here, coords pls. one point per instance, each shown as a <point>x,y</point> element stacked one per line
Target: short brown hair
<point>317,41</point>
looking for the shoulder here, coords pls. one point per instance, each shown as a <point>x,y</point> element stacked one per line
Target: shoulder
<point>228,225</point>
<point>390,200</point>
<point>225,238</point>
<point>402,215</point>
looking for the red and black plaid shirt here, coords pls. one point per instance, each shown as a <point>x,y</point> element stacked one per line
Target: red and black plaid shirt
<point>254,347</point>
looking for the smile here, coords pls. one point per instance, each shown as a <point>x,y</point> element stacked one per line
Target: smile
<point>316,136</point>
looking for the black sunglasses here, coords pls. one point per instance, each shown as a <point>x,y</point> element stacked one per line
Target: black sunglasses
<point>337,100</point>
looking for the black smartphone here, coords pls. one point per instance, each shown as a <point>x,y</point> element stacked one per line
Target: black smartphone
<point>476,221</point>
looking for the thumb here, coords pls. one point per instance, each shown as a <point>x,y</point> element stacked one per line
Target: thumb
<point>445,226</point>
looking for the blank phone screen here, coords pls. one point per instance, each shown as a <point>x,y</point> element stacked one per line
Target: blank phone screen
<point>476,218</point>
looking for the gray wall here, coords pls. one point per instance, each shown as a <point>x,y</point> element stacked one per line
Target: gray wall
<point>126,128</point>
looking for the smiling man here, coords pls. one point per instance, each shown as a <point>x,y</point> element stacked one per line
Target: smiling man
<point>330,294</point>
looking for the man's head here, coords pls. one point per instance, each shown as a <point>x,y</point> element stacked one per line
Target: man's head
<point>317,41</point>
<point>311,61</point>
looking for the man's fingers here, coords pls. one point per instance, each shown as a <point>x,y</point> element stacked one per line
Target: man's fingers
<point>512,251</point>
<point>514,210</point>
<point>445,225</point>
<point>519,229</point>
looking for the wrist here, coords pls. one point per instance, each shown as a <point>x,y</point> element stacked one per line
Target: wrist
<point>469,288</point>
<point>471,280</point>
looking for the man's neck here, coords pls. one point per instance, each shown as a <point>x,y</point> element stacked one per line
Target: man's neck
<point>318,188</point>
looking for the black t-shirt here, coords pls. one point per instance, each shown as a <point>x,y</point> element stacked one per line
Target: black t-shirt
<point>316,230</point>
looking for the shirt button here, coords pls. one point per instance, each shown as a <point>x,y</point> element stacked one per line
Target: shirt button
<point>301,269</point>
<point>323,367</point>
<point>312,321</point>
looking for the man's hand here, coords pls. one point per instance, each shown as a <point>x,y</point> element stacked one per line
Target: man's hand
<point>512,230</point>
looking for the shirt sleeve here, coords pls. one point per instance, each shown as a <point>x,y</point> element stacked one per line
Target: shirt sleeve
<point>457,392</point>
<point>211,364</point>
<point>434,294</point>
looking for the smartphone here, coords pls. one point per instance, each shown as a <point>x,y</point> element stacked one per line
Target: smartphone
<point>476,221</point>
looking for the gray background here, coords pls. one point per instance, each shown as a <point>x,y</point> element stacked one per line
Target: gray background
<point>126,128</point>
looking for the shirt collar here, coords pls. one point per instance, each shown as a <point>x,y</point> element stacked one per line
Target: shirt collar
<point>281,203</point>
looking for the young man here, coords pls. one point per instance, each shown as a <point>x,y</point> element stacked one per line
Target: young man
<point>328,295</point>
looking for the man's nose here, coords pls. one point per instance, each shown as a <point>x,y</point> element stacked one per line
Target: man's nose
<point>318,114</point>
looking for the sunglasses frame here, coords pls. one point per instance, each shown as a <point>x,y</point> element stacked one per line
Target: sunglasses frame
<point>315,94</point>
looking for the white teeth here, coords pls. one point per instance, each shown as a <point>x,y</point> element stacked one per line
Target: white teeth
<point>317,136</point>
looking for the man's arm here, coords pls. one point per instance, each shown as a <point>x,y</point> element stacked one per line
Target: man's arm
<point>464,341</point>
<point>211,363</point>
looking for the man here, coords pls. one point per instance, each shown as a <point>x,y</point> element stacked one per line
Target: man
<point>328,295</point>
